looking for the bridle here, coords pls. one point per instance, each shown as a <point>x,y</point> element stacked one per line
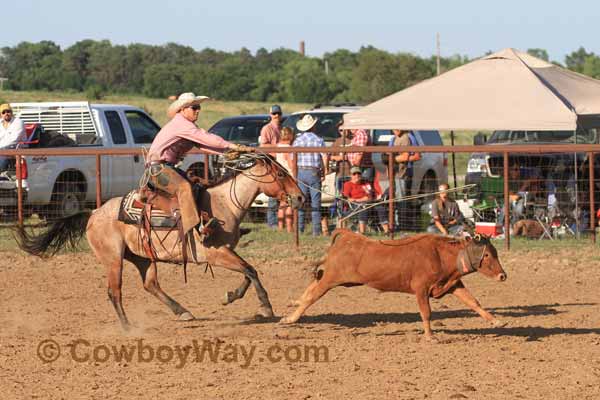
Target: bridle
<point>270,164</point>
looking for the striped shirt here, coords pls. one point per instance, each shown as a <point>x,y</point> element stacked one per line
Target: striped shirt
<point>309,160</point>
<point>360,137</point>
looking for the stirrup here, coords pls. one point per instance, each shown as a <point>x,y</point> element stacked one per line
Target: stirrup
<point>209,227</point>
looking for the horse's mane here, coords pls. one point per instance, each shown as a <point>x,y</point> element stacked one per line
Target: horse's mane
<point>238,166</point>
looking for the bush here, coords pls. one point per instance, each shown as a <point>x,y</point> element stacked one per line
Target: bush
<point>94,92</point>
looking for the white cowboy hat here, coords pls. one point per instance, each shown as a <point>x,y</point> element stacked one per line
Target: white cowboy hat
<point>185,100</point>
<point>307,122</point>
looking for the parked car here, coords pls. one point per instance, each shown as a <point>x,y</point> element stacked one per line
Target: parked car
<point>488,163</point>
<point>56,186</point>
<point>241,129</point>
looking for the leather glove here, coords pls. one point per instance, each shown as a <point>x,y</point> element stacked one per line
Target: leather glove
<point>240,148</point>
<point>231,155</point>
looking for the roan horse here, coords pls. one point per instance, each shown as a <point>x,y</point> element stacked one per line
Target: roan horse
<point>112,240</point>
<point>425,265</point>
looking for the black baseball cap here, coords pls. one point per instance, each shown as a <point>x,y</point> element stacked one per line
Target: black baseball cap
<point>275,109</point>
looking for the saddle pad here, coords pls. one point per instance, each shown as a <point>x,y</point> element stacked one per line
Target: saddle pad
<point>130,212</point>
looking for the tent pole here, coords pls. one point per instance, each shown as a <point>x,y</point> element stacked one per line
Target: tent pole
<point>453,158</point>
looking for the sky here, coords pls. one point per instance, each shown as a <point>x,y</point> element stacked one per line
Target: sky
<point>466,27</point>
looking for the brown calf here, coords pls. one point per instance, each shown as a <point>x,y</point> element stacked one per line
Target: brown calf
<point>425,265</point>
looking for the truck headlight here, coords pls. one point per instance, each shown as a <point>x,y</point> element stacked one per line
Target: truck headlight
<point>476,165</point>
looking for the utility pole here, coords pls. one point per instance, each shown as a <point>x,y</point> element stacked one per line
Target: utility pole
<point>437,40</point>
<point>302,47</point>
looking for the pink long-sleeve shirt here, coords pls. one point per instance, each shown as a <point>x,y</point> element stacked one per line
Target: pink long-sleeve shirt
<point>178,137</point>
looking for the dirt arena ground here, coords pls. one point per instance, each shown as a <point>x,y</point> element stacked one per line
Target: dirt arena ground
<point>368,344</point>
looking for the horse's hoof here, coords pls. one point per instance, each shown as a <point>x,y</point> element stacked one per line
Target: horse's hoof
<point>266,312</point>
<point>186,316</point>
<point>228,298</point>
<point>496,323</point>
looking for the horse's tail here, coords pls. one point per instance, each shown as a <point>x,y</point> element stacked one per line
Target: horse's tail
<point>64,232</point>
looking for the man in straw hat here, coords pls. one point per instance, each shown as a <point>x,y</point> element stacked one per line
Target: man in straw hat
<point>169,147</point>
<point>311,171</point>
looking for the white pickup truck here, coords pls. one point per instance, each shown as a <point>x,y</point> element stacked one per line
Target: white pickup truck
<point>55,186</point>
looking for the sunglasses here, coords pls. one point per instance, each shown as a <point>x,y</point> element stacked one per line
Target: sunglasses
<point>7,112</point>
<point>277,113</point>
<point>195,107</point>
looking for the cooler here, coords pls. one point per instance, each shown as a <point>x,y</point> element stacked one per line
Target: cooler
<point>492,229</point>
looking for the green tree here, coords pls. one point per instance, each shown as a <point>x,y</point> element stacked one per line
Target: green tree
<point>380,73</point>
<point>163,80</point>
<point>539,53</point>
<point>304,80</point>
<point>576,59</point>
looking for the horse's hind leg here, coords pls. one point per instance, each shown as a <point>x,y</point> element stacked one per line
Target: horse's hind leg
<point>149,274</point>
<point>227,258</point>
<point>115,280</point>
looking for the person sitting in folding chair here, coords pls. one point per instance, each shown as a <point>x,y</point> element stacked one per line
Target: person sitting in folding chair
<point>447,219</point>
<point>360,194</point>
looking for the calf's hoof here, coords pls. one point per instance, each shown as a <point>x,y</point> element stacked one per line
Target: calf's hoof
<point>186,316</point>
<point>229,296</point>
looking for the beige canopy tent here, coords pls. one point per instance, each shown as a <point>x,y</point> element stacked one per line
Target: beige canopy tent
<point>508,90</point>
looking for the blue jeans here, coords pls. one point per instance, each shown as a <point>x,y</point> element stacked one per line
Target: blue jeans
<point>400,205</point>
<point>310,183</point>
<point>452,230</point>
<point>272,207</point>
<point>363,216</point>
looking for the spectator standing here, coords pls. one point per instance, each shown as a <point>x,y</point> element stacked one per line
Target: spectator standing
<point>270,135</point>
<point>360,137</point>
<point>312,168</point>
<point>446,215</point>
<point>12,131</point>
<point>285,213</point>
<point>342,165</point>
<point>403,172</point>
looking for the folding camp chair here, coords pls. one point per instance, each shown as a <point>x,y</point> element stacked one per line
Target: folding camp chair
<point>491,189</point>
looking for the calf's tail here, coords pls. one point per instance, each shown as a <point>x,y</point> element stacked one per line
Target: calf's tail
<point>64,232</point>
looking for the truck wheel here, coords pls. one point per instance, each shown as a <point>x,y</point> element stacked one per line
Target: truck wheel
<point>66,200</point>
<point>429,184</point>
